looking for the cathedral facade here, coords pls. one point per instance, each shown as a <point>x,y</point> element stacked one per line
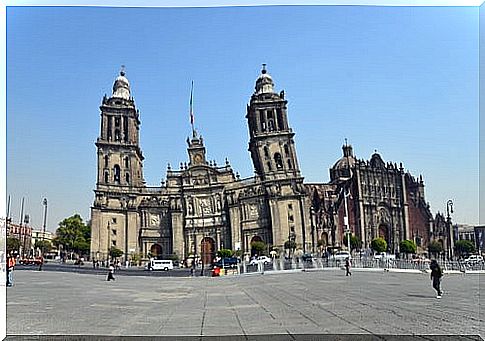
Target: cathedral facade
<point>203,207</point>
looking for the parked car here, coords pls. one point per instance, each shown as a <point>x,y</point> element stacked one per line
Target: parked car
<point>384,256</point>
<point>30,261</point>
<point>307,257</point>
<point>229,262</point>
<point>474,259</point>
<point>159,264</point>
<point>340,256</point>
<point>260,259</point>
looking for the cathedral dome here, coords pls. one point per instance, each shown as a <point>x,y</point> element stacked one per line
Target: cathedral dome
<point>347,160</point>
<point>264,83</point>
<point>121,87</point>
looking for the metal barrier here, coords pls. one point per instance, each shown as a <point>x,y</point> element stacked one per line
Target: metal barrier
<point>320,263</point>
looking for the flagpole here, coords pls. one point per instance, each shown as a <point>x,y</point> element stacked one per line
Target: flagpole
<point>191,110</point>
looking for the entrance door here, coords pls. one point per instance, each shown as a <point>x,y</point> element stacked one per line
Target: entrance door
<point>207,250</point>
<point>156,251</point>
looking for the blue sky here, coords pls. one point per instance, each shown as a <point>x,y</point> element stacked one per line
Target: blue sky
<point>402,80</point>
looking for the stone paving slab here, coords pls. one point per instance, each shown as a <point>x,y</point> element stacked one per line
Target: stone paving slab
<point>325,302</point>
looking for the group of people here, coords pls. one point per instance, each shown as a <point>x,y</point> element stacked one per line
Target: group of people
<point>436,275</point>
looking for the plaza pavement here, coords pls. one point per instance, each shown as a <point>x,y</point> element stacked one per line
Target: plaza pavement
<point>317,302</point>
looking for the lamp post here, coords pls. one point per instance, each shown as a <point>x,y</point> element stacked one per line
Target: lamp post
<point>107,246</point>
<point>124,204</point>
<point>44,202</point>
<point>312,214</point>
<point>449,209</point>
<point>346,219</point>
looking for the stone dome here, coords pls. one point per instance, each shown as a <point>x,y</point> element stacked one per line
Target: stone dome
<point>121,87</point>
<point>264,83</point>
<point>347,160</point>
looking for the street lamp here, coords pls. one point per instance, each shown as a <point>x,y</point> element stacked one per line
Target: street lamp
<point>346,219</point>
<point>107,246</point>
<point>124,206</point>
<point>312,214</point>
<point>44,202</point>
<point>449,209</point>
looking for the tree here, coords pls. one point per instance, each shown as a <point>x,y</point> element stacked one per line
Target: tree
<point>73,235</point>
<point>355,242</point>
<point>464,247</point>
<point>225,253</point>
<point>13,244</point>
<point>378,245</point>
<point>43,245</point>
<point>290,244</point>
<point>407,247</point>
<point>435,247</point>
<point>115,252</point>
<point>258,247</point>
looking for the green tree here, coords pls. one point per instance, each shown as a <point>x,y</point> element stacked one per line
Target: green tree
<point>464,247</point>
<point>378,245</point>
<point>407,247</point>
<point>355,242</point>
<point>225,253</point>
<point>435,247</point>
<point>290,244</point>
<point>258,247</point>
<point>73,235</point>
<point>13,244</point>
<point>43,245</point>
<point>115,252</point>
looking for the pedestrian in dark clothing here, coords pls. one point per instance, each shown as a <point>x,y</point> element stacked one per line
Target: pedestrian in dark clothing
<point>111,273</point>
<point>436,275</point>
<point>347,267</point>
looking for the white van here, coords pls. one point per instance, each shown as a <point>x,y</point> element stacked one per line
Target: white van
<point>160,264</point>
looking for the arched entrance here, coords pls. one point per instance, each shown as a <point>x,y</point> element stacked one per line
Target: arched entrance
<point>156,250</point>
<point>383,233</point>
<point>207,247</point>
<point>255,250</point>
<point>322,243</point>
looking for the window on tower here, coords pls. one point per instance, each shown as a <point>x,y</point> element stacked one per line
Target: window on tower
<point>117,122</point>
<point>262,119</point>
<point>126,162</point>
<point>269,165</point>
<point>117,174</point>
<point>287,151</point>
<point>289,164</point>
<point>266,152</point>
<point>106,159</point>
<point>278,160</point>
<point>127,178</point>
<point>279,116</point>
<point>106,177</point>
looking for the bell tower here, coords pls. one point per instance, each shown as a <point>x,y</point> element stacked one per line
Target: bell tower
<point>271,141</point>
<point>273,152</point>
<point>119,154</point>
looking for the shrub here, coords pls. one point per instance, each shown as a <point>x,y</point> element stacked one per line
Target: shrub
<point>379,245</point>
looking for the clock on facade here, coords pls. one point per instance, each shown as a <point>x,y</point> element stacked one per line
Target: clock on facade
<point>198,158</point>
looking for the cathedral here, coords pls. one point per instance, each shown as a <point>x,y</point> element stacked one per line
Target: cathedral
<point>204,207</point>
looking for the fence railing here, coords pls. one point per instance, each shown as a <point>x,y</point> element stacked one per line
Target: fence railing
<point>320,263</point>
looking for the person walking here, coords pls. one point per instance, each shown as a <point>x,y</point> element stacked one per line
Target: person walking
<point>347,267</point>
<point>111,272</point>
<point>436,275</point>
<point>10,268</point>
